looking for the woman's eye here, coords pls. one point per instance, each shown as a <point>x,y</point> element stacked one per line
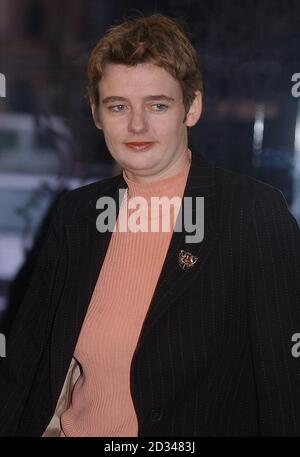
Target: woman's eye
<point>120,108</point>
<point>117,108</point>
<point>161,106</point>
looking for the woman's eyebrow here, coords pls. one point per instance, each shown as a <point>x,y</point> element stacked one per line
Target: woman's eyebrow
<point>114,98</point>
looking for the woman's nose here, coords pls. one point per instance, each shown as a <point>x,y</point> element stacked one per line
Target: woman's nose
<point>138,122</point>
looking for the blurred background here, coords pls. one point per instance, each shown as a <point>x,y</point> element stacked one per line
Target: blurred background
<point>48,143</point>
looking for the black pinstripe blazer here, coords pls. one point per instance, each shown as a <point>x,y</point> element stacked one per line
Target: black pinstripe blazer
<point>214,356</point>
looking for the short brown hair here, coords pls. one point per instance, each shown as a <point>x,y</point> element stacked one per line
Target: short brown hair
<point>156,39</point>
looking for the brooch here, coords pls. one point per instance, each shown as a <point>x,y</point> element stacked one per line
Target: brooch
<point>186,260</point>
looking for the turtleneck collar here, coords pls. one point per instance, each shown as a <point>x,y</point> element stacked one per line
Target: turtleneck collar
<point>165,187</point>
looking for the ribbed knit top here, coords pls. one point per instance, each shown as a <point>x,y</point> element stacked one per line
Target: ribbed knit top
<point>101,400</point>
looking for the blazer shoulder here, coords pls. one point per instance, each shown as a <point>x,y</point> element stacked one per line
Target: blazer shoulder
<point>244,186</point>
<point>247,195</point>
<point>72,201</point>
<point>89,190</point>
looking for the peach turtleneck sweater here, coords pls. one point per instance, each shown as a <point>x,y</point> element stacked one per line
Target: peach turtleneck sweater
<point>101,400</point>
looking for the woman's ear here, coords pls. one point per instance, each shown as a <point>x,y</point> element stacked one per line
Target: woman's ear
<point>195,110</point>
<point>95,115</point>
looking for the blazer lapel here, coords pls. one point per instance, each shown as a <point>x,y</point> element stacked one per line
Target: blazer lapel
<point>173,280</point>
<point>85,250</point>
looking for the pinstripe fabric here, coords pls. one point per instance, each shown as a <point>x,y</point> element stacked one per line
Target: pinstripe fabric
<point>214,353</point>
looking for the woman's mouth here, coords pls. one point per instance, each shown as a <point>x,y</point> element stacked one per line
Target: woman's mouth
<point>140,145</point>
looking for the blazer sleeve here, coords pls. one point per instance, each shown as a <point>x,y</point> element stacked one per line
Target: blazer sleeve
<point>274,314</point>
<point>30,331</point>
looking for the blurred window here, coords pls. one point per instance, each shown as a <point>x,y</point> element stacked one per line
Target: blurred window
<point>20,207</point>
<point>8,139</point>
<point>35,20</point>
